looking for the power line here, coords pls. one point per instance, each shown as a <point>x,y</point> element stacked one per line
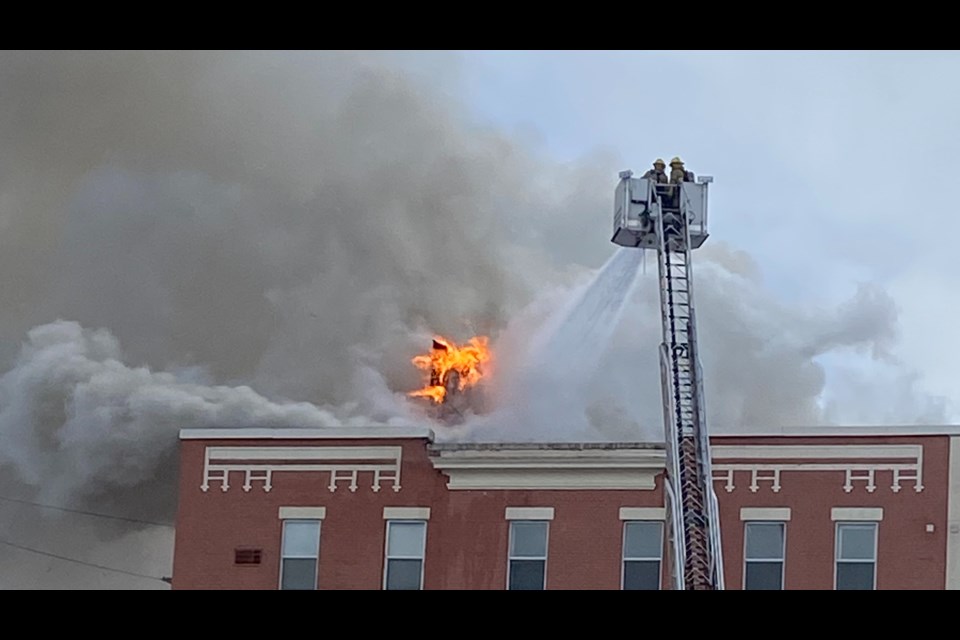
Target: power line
<point>87,513</point>
<point>87,564</point>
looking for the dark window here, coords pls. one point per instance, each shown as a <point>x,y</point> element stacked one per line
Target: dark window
<point>642,550</point>
<point>856,556</point>
<point>763,557</point>
<point>300,553</point>
<point>299,574</point>
<point>528,555</point>
<point>406,545</point>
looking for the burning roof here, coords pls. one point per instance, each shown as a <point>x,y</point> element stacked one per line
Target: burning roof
<point>452,368</point>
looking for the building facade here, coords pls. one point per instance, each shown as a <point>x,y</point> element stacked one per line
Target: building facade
<point>390,508</point>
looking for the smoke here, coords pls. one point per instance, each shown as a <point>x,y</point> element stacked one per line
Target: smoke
<point>543,381</point>
<point>764,362</point>
<point>292,223</point>
<point>75,417</point>
<point>222,239</point>
<point>263,214</point>
<point>296,223</point>
<point>144,552</point>
<point>584,376</point>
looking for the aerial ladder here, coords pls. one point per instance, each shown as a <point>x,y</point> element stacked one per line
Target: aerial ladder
<point>672,220</point>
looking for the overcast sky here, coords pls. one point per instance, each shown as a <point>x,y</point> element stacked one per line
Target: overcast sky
<point>831,168</point>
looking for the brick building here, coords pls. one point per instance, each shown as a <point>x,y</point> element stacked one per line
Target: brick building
<point>374,508</point>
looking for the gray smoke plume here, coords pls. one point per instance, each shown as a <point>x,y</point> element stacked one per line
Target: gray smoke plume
<point>75,417</point>
<point>222,239</point>
<point>298,224</point>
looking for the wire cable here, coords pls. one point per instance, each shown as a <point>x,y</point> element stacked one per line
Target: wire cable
<point>82,562</point>
<point>87,513</point>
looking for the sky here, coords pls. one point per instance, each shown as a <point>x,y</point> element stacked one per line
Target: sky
<point>831,168</point>
<point>252,220</point>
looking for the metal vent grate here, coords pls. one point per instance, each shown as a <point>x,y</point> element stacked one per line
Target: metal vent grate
<point>247,556</point>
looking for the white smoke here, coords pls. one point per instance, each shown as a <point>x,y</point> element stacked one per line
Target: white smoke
<point>577,373</point>
<point>75,418</point>
<point>545,366</point>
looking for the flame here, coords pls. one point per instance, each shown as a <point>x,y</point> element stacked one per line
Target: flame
<point>446,356</point>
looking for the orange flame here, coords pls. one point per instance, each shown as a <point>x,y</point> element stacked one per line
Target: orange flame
<point>446,356</point>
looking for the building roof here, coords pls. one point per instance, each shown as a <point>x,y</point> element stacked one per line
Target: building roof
<point>296,433</point>
<point>387,432</point>
<point>838,430</point>
<point>542,446</point>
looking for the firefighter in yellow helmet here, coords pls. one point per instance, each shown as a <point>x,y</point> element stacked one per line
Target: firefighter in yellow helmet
<point>658,173</point>
<point>678,173</point>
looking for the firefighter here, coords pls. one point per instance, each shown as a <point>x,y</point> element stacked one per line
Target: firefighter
<point>671,196</point>
<point>658,173</point>
<point>678,173</point>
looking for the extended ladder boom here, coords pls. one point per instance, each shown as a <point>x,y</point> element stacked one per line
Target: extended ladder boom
<point>672,220</point>
<point>691,498</point>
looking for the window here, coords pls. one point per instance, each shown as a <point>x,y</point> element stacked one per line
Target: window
<point>642,547</point>
<point>406,544</point>
<point>763,556</point>
<point>856,555</point>
<point>527,562</point>
<point>300,551</point>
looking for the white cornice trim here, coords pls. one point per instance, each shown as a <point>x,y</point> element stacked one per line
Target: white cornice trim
<point>258,464</point>
<point>547,468</point>
<point>423,432</point>
<point>338,433</point>
<point>860,462</point>
<point>406,513</point>
<point>842,431</point>
<point>814,451</point>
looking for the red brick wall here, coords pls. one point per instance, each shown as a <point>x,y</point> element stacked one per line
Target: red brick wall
<point>468,547</point>
<point>907,556</point>
<point>467,533</point>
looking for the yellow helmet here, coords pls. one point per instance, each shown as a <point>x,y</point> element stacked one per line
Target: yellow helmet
<point>676,160</point>
<point>659,161</point>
